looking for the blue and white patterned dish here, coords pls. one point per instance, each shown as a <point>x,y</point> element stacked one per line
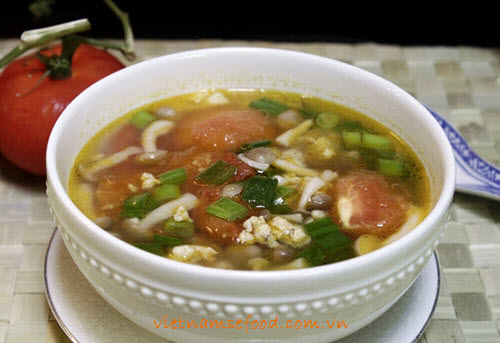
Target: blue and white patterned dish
<point>474,175</point>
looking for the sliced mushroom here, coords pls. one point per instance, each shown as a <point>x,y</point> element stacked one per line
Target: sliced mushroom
<point>135,231</point>
<point>258,263</point>
<point>109,161</point>
<point>240,252</point>
<point>314,185</point>
<point>231,190</point>
<point>224,264</point>
<point>252,163</point>
<point>168,209</point>
<point>165,112</point>
<point>289,119</point>
<point>287,137</point>
<point>262,155</point>
<point>217,99</point>
<point>153,131</point>
<point>328,175</point>
<point>150,158</point>
<point>367,243</point>
<point>283,255</point>
<point>264,213</point>
<point>293,168</point>
<point>142,228</point>
<point>104,223</point>
<point>298,263</point>
<point>415,216</point>
<point>320,201</point>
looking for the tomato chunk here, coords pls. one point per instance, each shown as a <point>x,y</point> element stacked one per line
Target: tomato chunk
<point>218,128</point>
<point>222,231</point>
<point>112,190</point>
<point>367,203</point>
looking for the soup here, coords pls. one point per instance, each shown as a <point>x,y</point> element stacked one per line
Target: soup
<point>251,180</point>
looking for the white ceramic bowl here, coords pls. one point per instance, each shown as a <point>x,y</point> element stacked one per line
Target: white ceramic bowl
<point>146,288</point>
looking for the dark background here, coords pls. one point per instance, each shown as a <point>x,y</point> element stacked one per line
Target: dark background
<point>404,23</point>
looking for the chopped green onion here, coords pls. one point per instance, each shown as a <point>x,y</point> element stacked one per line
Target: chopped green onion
<point>351,125</point>
<point>243,183</point>
<point>272,170</point>
<point>334,241</point>
<point>270,106</point>
<point>307,114</point>
<point>351,139</point>
<point>152,247</point>
<point>166,192</point>
<point>387,154</point>
<point>376,142</point>
<point>182,229</point>
<point>327,234</point>
<point>217,173</point>
<point>318,223</point>
<point>142,119</point>
<point>227,209</point>
<point>249,146</point>
<point>174,177</point>
<point>137,206</point>
<point>285,192</point>
<point>260,191</point>
<point>340,255</point>
<point>314,255</point>
<point>323,231</point>
<point>390,167</point>
<point>279,206</point>
<point>167,241</point>
<point>327,120</point>
<point>158,246</point>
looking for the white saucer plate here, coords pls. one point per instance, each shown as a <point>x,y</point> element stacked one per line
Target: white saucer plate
<point>86,318</point>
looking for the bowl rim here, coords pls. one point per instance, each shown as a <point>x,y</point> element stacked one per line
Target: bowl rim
<point>442,203</point>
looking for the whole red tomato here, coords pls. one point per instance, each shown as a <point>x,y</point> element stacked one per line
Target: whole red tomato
<point>29,110</point>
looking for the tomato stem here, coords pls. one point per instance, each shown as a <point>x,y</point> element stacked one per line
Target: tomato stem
<point>128,45</point>
<point>38,37</point>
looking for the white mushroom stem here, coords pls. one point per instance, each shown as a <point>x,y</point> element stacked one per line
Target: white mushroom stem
<point>134,230</point>
<point>289,118</point>
<point>298,263</point>
<point>345,209</point>
<point>165,112</point>
<point>217,99</point>
<point>281,180</point>
<point>329,175</point>
<point>168,209</point>
<point>153,131</point>
<point>231,190</point>
<point>287,137</point>
<point>413,220</point>
<point>314,185</point>
<point>252,163</point>
<point>293,168</point>
<point>111,160</point>
<point>104,222</point>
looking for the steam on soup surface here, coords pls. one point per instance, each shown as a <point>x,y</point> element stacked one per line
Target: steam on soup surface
<point>250,179</point>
